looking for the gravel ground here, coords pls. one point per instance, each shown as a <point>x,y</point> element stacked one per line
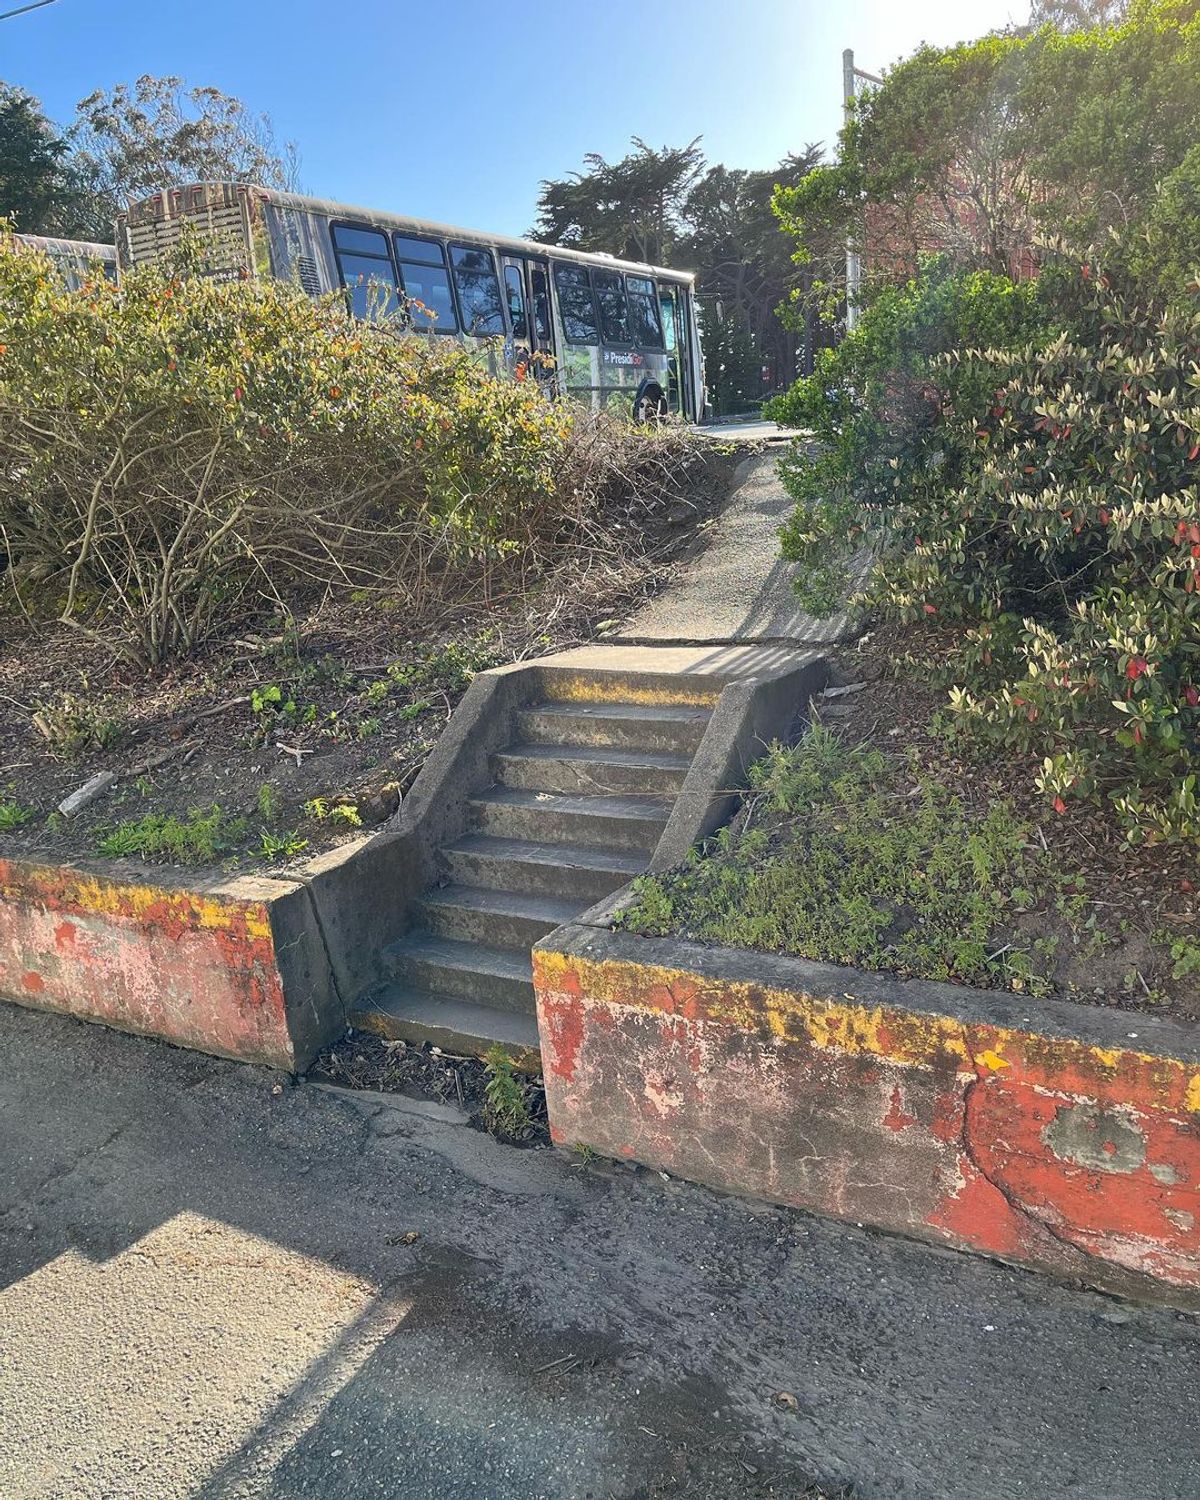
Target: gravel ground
<point>220,1284</point>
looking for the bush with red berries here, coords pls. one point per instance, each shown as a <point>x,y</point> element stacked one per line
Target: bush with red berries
<point>1056,514</point>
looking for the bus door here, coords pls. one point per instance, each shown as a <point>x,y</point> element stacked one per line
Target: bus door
<point>527,295</point>
<point>675,338</point>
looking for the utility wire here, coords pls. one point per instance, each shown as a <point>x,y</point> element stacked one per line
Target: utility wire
<point>21,9</point>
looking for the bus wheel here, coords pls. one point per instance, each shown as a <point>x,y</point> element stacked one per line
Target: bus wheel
<point>650,403</point>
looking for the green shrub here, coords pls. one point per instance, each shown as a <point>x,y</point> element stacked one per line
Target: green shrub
<point>1062,526</point>
<point>875,406</point>
<point>177,449</point>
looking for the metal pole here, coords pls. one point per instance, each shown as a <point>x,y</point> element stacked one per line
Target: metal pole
<point>853,264</point>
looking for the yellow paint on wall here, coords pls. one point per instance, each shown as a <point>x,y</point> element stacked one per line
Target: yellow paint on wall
<point>845,1025</point>
<point>590,688</point>
<point>94,896</point>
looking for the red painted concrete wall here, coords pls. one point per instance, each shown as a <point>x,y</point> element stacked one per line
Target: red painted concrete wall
<point>200,968</point>
<point>1045,1149</point>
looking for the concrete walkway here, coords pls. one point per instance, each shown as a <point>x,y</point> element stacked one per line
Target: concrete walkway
<point>210,1288</point>
<point>739,589</point>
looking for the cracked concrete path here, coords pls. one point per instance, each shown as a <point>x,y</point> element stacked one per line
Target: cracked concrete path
<point>738,589</point>
<point>209,1289</point>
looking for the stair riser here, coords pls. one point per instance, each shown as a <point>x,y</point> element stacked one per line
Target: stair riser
<point>584,778</point>
<point>497,990</point>
<point>665,735</point>
<point>553,826</point>
<point>532,878</point>
<point>492,929</point>
<point>450,1038</point>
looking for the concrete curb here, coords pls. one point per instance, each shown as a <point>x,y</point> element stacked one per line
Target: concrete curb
<point>1058,1136</point>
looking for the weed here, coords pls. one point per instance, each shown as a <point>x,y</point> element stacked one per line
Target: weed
<point>584,1152</point>
<point>144,785</point>
<point>446,668</point>
<point>846,856</point>
<point>281,845</point>
<point>13,815</point>
<point>368,727</point>
<point>269,804</point>
<point>275,707</point>
<point>1185,957</point>
<point>73,724</point>
<point>505,1108</point>
<point>200,838</point>
<point>323,809</point>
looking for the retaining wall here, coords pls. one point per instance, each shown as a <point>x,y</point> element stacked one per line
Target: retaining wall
<point>235,967</point>
<point>1052,1134</point>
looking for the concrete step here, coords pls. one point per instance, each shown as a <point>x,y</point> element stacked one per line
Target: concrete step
<point>673,728</point>
<point>498,977</point>
<point>497,919</point>
<point>403,1014</point>
<point>583,770</point>
<point>583,875</point>
<point>632,823</point>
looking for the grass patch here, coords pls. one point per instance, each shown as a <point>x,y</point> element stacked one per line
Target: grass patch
<point>198,839</point>
<point>845,855</point>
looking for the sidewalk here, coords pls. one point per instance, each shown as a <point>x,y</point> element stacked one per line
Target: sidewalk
<point>738,590</point>
<point>209,1290</point>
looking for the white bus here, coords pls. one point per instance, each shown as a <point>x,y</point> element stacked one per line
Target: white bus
<point>74,260</point>
<point>612,333</point>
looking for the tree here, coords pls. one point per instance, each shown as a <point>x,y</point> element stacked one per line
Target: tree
<point>38,191</point>
<point>975,151</point>
<point>1078,15</point>
<point>747,273</point>
<point>631,207</point>
<point>668,207</point>
<point>131,141</point>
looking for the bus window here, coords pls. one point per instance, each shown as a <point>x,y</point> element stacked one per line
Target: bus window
<point>575,301</point>
<point>365,268</point>
<point>515,293</point>
<point>478,290</point>
<point>426,281</point>
<point>644,317</point>
<point>614,314</point>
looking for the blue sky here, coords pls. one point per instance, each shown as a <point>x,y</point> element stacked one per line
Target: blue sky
<point>457,111</point>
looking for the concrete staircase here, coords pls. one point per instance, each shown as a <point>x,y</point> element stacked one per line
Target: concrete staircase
<point>570,810</point>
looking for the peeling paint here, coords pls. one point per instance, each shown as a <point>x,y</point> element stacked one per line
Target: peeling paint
<point>1043,1149</point>
<point>198,968</point>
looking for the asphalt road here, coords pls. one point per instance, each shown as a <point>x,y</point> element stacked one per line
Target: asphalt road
<point>210,1289</point>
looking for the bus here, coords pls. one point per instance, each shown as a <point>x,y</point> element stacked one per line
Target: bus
<point>74,260</point>
<point>612,333</point>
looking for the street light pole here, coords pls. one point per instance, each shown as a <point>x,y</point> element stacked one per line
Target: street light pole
<point>853,264</point>
<point>851,78</point>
